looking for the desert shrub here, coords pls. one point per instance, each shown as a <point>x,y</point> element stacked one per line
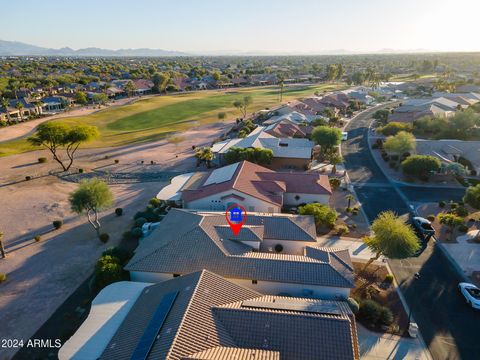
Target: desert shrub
<point>136,232</point>
<point>57,224</point>
<point>453,205</point>
<point>431,217</point>
<point>441,204</point>
<point>386,158</point>
<point>354,306</point>
<point>121,253</point>
<point>463,228</point>
<point>278,248</point>
<point>37,238</point>
<point>375,146</point>
<point>150,214</point>
<point>117,161</point>
<point>3,277</point>
<point>394,157</point>
<point>392,164</point>
<point>342,230</point>
<point>127,235</point>
<point>27,178</point>
<point>323,214</point>
<point>80,171</point>
<point>140,221</point>
<point>119,211</point>
<point>104,237</point>
<point>389,278</point>
<point>42,160</point>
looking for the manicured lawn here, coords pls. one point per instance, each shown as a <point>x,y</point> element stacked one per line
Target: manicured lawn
<point>161,116</point>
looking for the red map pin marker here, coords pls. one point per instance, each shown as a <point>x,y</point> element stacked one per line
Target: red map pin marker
<point>236,217</point>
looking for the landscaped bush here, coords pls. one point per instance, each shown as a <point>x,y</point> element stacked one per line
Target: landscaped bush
<point>431,217</point>
<point>155,202</point>
<point>453,205</point>
<point>57,224</point>
<point>3,277</point>
<point>394,157</point>
<point>463,228</point>
<point>375,146</point>
<point>119,252</point>
<point>27,178</point>
<point>104,237</point>
<point>342,230</point>
<point>461,211</point>
<point>42,160</point>
<point>119,211</point>
<point>108,270</point>
<point>375,314</point>
<point>322,214</point>
<point>80,171</point>
<point>127,235</point>
<point>389,278</point>
<point>392,164</point>
<point>117,161</point>
<point>136,233</point>
<point>37,238</point>
<point>353,305</point>
<point>140,221</point>
<point>335,183</point>
<point>441,204</point>
<point>278,248</point>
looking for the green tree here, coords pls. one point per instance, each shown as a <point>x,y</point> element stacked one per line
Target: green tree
<point>472,196</point>
<point>57,136</point>
<point>332,72</point>
<point>5,105</point>
<point>450,220</point>
<point>81,98</point>
<point>420,166</point>
<point>216,75</point>
<point>334,158</point>
<point>19,107</point>
<point>327,137</point>
<point>108,270</point>
<point>381,115</point>
<point>392,238</point>
<point>129,88</point>
<point>222,115</point>
<point>243,104</point>
<point>160,81</point>
<point>349,198</point>
<point>89,198</point>
<point>204,155</point>
<point>323,215</point>
<point>393,128</point>
<point>100,98</point>
<point>400,143</point>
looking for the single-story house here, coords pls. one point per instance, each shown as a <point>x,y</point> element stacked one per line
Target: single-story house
<point>256,188</point>
<point>204,316</point>
<point>286,128</point>
<point>288,153</point>
<point>273,254</point>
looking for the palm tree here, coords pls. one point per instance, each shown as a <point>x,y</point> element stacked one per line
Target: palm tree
<point>349,197</point>
<point>5,104</point>
<point>19,107</point>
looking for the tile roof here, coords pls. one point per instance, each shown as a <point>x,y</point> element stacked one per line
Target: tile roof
<point>186,241</point>
<point>213,318</point>
<point>257,181</point>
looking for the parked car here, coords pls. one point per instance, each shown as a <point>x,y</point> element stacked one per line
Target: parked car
<point>344,135</point>
<point>424,226</point>
<point>471,293</point>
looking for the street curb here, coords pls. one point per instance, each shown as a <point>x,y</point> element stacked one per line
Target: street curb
<point>452,261</point>
<point>407,309</point>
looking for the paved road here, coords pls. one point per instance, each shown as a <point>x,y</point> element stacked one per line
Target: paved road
<point>450,329</point>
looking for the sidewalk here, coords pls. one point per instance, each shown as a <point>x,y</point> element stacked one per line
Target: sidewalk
<point>386,346</point>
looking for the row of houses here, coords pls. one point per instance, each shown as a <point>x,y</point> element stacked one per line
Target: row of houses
<point>198,291</point>
<point>440,104</point>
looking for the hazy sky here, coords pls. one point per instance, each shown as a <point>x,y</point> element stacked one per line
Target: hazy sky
<point>304,26</point>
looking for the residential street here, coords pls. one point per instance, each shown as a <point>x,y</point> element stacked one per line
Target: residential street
<point>449,328</point>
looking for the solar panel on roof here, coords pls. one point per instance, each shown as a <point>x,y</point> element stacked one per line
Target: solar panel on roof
<point>319,307</point>
<point>221,175</point>
<point>153,328</point>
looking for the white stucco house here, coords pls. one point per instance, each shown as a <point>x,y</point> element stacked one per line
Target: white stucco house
<point>256,188</point>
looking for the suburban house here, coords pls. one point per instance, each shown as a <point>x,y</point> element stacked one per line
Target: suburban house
<point>205,316</point>
<point>286,128</point>
<point>142,87</point>
<point>288,153</point>
<point>414,109</point>
<point>287,113</point>
<point>256,188</point>
<point>53,104</point>
<point>274,254</point>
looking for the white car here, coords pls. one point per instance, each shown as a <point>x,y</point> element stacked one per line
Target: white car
<point>344,135</point>
<point>471,294</point>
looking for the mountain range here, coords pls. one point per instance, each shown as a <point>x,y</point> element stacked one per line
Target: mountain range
<point>15,48</point>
